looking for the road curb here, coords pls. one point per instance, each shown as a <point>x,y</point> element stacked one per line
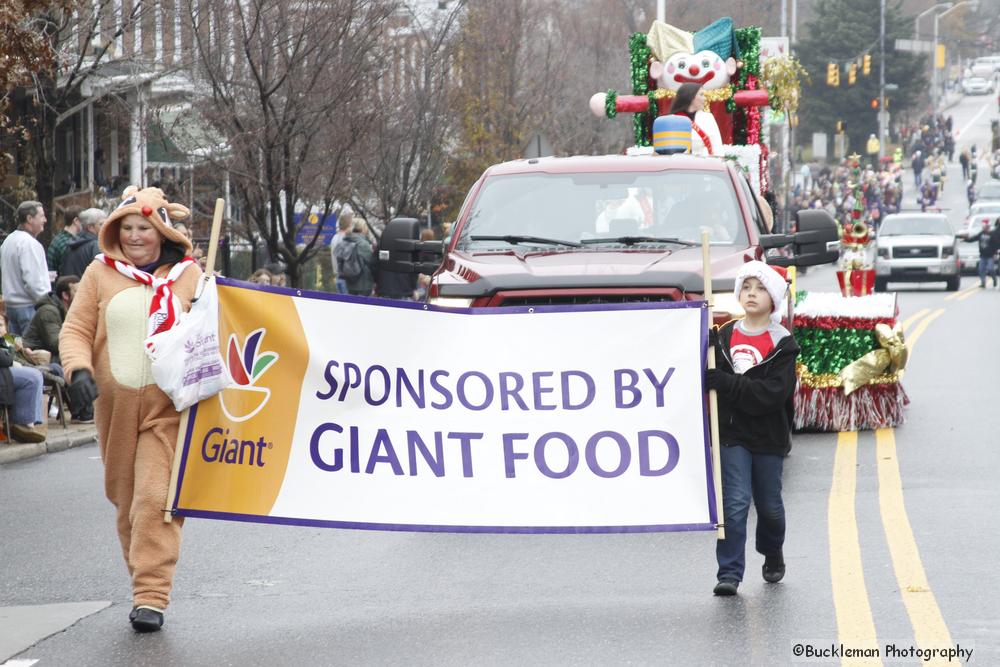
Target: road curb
<point>10,453</point>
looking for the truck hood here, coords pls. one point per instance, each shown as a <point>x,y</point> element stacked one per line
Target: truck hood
<point>916,239</point>
<point>480,274</point>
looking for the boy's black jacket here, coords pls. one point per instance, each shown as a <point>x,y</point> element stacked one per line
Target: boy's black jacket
<point>756,408</point>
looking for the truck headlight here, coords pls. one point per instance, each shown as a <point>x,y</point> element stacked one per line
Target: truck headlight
<point>883,253</point>
<point>948,251</point>
<point>451,301</point>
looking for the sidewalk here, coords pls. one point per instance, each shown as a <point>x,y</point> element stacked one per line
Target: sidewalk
<point>60,439</point>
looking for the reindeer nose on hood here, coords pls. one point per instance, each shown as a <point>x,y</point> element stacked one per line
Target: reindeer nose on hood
<point>694,70</point>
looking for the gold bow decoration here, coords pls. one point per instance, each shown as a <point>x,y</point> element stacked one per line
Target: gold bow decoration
<point>889,358</point>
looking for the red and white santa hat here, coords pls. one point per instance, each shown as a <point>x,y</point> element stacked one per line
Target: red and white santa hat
<point>774,279</point>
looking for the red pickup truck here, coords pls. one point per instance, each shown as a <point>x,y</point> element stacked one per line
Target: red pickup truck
<point>601,229</point>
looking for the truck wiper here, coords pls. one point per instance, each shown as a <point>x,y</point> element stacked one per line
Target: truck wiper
<point>514,239</point>
<point>632,240</point>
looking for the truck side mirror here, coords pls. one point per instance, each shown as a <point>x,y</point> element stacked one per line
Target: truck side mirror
<point>817,231</point>
<point>402,251</point>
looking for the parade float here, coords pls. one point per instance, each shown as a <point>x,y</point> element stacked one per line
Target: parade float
<point>725,61</point>
<point>852,350</point>
<point>853,353</point>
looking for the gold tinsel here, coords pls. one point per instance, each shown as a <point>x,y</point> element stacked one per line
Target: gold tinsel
<point>782,79</point>
<point>717,95</point>
<point>827,380</point>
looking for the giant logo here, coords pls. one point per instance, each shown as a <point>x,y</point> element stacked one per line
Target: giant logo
<point>247,365</point>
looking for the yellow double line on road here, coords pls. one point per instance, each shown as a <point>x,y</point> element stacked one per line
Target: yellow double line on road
<point>855,624</point>
<point>964,294</point>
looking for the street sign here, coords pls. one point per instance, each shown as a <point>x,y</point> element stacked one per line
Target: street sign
<point>819,145</point>
<point>773,47</point>
<point>914,46</point>
<point>891,86</point>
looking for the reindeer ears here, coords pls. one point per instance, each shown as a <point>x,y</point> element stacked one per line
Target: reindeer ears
<point>178,212</point>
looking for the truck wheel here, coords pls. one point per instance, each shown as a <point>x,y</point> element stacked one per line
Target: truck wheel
<point>881,284</point>
<point>953,283</point>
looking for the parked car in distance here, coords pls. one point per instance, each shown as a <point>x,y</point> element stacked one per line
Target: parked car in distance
<point>988,191</point>
<point>981,211</point>
<point>916,247</point>
<point>977,85</point>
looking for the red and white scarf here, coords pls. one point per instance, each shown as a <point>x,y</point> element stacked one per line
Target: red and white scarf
<point>162,313</point>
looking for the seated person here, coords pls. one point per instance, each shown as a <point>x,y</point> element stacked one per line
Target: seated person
<point>50,311</point>
<point>21,391</point>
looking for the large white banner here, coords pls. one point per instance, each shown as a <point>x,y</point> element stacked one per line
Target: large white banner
<point>384,415</point>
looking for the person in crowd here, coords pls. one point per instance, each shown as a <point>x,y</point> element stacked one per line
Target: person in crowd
<point>354,259</point>
<point>50,313</point>
<point>261,277</point>
<point>102,349</point>
<point>196,253</point>
<point>917,164</point>
<point>963,159</point>
<point>25,277</point>
<point>987,249</point>
<point>69,232</point>
<point>995,247</point>
<point>21,390</point>
<point>705,136</point>
<point>755,380</point>
<point>345,225</point>
<point>82,251</point>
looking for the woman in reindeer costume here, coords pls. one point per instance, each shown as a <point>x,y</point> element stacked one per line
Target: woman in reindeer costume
<point>138,286</point>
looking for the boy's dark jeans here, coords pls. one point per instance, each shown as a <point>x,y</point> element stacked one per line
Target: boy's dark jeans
<point>747,476</point>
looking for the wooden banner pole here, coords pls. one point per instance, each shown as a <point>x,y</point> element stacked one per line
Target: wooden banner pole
<point>713,398</point>
<point>175,470</point>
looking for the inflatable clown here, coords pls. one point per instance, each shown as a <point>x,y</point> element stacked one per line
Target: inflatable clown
<point>724,61</point>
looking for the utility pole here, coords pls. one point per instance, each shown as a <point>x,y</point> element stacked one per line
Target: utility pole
<point>661,10</point>
<point>881,84</point>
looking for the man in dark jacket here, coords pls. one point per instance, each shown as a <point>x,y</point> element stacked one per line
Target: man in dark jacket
<point>80,252</point>
<point>50,311</point>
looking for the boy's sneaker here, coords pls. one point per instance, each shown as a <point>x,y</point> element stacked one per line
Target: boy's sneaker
<point>726,587</point>
<point>146,619</point>
<point>773,568</point>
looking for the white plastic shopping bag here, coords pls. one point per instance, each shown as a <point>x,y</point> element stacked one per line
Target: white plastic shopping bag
<point>187,364</point>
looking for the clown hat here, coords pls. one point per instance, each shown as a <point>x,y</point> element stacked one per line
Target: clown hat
<point>665,40</point>
<point>718,37</point>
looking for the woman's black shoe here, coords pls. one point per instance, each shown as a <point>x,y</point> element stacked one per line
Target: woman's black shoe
<point>144,619</point>
<point>726,587</point>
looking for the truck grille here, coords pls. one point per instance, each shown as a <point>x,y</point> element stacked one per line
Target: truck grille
<point>915,252</point>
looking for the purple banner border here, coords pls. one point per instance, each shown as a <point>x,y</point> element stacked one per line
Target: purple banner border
<point>433,528</point>
<point>413,305</point>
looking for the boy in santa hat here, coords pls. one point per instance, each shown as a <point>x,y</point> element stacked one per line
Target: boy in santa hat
<point>755,380</point>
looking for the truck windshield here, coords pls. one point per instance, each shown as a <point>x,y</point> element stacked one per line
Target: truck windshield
<point>599,208</point>
<point>923,226</point>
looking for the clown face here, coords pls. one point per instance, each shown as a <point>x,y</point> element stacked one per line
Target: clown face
<point>705,67</point>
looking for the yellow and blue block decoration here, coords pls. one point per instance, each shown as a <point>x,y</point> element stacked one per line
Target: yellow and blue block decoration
<point>672,134</point>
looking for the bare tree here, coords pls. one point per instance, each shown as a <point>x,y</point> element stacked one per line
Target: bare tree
<point>396,171</point>
<point>288,89</point>
<point>83,40</point>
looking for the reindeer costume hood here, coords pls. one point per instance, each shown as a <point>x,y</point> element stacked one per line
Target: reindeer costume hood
<point>151,204</point>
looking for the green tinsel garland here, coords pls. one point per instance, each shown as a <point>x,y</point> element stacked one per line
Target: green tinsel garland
<point>748,41</point>
<point>829,350</point>
<point>639,53</point>
<point>610,108</point>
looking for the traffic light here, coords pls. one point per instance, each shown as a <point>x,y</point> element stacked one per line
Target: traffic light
<point>866,64</point>
<point>832,75</point>
<point>852,74</point>
<point>874,103</point>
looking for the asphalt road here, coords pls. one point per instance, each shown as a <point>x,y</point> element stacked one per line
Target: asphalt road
<point>872,559</point>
